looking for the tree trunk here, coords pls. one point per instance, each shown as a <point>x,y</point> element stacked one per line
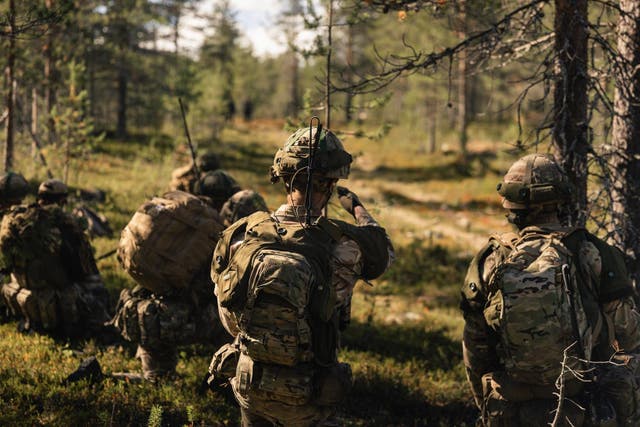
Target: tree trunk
<point>348,104</point>
<point>327,111</point>
<point>34,120</point>
<point>294,73</point>
<point>10,100</point>
<point>570,101</point>
<point>463,104</point>
<point>625,159</point>
<point>433,126</point>
<point>49,78</point>
<point>121,129</point>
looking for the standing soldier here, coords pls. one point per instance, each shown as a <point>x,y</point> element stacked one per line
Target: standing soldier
<point>284,281</point>
<point>541,304</point>
<point>55,284</point>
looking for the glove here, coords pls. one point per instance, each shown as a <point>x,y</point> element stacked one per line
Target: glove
<point>348,199</point>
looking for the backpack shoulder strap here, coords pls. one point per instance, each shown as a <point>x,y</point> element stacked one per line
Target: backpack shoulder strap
<point>474,289</point>
<point>614,277</point>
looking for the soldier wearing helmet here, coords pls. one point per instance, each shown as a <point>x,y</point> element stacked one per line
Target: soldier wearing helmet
<point>286,257</point>
<point>185,177</point>
<point>52,191</point>
<point>570,292</point>
<point>13,188</point>
<point>55,284</point>
<point>240,205</point>
<point>215,187</point>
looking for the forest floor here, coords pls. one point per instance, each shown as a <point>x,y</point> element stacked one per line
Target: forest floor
<point>404,340</point>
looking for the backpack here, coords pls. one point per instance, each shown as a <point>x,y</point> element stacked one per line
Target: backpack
<point>535,303</point>
<point>183,179</point>
<point>168,241</point>
<point>44,247</point>
<point>278,286</point>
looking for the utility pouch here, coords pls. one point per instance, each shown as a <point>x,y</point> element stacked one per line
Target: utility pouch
<point>224,362</point>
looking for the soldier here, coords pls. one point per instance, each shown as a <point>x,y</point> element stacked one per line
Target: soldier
<point>184,178</point>
<point>13,188</point>
<point>216,187</point>
<point>52,192</point>
<point>55,284</point>
<point>241,204</point>
<point>539,305</point>
<point>165,311</point>
<point>284,281</point>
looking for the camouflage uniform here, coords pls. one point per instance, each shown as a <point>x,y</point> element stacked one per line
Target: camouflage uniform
<point>159,323</point>
<point>55,284</point>
<point>356,251</point>
<point>170,315</point>
<point>13,188</point>
<point>607,304</point>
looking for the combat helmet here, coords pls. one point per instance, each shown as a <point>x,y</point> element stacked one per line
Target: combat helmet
<point>217,185</point>
<point>13,188</point>
<point>208,162</point>
<point>52,191</point>
<point>532,181</point>
<point>240,205</point>
<point>331,160</point>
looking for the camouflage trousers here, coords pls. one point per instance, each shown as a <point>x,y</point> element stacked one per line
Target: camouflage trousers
<point>78,309</point>
<point>507,403</point>
<point>612,400</point>
<point>161,323</point>
<point>301,395</point>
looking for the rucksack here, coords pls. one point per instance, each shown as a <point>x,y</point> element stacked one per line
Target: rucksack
<point>168,241</point>
<point>277,285</point>
<point>183,179</point>
<point>44,247</point>
<point>535,303</point>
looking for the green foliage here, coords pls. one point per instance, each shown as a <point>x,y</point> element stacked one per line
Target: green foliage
<point>418,264</point>
<point>74,126</point>
<point>155,416</point>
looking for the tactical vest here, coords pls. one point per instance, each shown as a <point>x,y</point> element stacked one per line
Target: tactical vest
<point>278,286</point>
<point>535,304</point>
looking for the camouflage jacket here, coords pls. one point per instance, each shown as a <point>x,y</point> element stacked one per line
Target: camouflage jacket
<point>598,262</point>
<point>45,244</point>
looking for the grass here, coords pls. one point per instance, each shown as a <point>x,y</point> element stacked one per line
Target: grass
<point>404,340</point>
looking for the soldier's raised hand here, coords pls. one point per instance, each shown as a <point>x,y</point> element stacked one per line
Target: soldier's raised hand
<point>348,199</point>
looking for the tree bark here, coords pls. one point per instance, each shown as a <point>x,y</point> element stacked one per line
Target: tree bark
<point>327,96</point>
<point>121,129</point>
<point>348,104</point>
<point>49,78</point>
<point>463,105</point>
<point>570,101</point>
<point>34,120</point>
<point>625,159</point>
<point>10,100</point>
